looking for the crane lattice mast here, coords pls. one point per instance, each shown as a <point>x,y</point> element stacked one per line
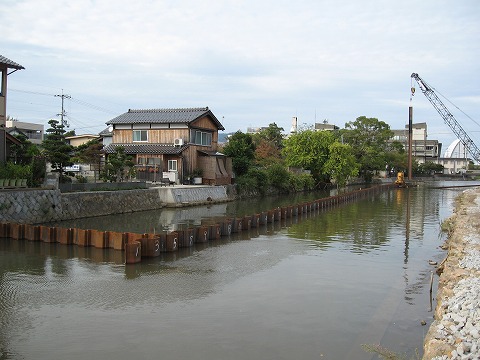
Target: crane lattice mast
<point>448,118</point>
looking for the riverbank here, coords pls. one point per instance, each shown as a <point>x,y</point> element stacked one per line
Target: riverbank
<point>35,206</point>
<point>455,333</point>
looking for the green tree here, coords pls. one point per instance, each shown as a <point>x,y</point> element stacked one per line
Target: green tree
<point>268,145</point>
<point>272,134</point>
<point>118,166</point>
<point>309,150</point>
<point>90,153</point>
<point>369,139</point>
<point>24,152</point>
<point>428,168</point>
<point>56,149</point>
<point>341,164</point>
<point>266,154</point>
<point>39,170</point>
<point>396,157</point>
<point>241,149</point>
<point>279,177</point>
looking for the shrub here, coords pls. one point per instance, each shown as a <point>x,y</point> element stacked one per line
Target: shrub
<point>301,182</point>
<point>15,171</point>
<point>254,179</point>
<point>279,177</point>
<point>81,179</point>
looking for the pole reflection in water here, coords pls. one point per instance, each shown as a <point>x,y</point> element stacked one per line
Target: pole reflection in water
<point>317,286</point>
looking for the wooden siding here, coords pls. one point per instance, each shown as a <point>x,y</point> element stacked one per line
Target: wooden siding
<point>190,160</point>
<point>216,170</point>
<point>155,136</point>
<point>204,123</point>
<point>122,135</point>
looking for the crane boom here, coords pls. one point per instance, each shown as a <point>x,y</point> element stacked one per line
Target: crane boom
<point>448,117</point>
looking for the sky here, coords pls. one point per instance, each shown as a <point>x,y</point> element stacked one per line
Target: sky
<point>252,63</point>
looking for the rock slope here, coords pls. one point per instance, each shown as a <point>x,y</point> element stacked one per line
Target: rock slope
<point>455,333</point>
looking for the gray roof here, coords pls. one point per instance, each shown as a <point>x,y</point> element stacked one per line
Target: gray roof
<point>165,116</point>
<point>105,132</point>
<point>132,149</point>
<point>10,64</point>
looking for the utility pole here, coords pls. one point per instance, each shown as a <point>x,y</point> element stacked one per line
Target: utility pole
<point>63,114</point>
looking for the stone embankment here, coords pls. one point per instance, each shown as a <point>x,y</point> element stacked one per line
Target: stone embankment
<point>455,333</point>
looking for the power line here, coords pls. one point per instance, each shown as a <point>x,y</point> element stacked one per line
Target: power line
<point>95,107</point>
<point>31,92</point>
<point>75,100</point>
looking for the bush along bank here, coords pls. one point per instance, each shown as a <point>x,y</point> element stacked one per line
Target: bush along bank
<point>272,181</point>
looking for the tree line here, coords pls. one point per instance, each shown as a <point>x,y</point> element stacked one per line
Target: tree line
<point>305,160</point>
<point>311,159</point>
<point>29,161</point>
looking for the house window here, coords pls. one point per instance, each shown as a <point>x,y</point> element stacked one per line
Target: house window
<point>172,165</point>
<point>153,161</point>
<point>203,138</point>
<point>140,135</point>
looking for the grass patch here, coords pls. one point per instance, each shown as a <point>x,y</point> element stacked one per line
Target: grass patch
<point>387,354</point>
<point>448,225</point>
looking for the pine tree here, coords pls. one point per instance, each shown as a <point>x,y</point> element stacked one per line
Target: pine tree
<point>57,151</point>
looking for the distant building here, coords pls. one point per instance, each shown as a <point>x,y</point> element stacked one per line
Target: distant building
<point>423,149</point>
<point>455,159</point>
<point>325,127</point>
<point>78,140</point>
<point>106,136</point>
<point>34,132</point>
<point>255,130</point>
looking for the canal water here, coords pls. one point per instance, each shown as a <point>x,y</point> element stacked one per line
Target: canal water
<point>315,287</point>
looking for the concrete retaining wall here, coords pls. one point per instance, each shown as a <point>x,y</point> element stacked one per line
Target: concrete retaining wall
<point>39,206</point>
<point>195,195</point>
<point>29,206</point>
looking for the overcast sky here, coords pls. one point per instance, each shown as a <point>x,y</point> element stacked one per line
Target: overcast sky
<point>251,62</point>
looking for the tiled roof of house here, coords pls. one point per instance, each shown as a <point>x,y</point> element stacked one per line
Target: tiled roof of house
<point>132,149</point>
<point>165,116</point>
<point>105,132</point>
<point>10,64</point>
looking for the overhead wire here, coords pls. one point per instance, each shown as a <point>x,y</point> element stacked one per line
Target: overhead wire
<point>31,92</point>
<point>443,96</point>
<point>463,112</point>
<point>73,100</point>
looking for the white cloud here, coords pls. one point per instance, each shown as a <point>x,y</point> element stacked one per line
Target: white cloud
<point>255,61</point>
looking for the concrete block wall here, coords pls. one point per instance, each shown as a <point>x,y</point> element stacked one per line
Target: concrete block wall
<point>39,206</point>
<point>194,195</point>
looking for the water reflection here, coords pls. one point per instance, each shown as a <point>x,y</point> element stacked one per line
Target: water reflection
<point>321,283</point>
<point>170,219</point>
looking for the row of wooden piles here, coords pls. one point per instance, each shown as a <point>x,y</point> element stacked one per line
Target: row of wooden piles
<point>138,246</point>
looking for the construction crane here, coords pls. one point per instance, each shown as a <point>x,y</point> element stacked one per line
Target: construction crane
<point>448,117</point>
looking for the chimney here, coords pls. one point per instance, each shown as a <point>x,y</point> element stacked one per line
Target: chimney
<point>294,125</point>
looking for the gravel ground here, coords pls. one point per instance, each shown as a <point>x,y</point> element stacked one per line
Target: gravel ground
<point>455,333</point>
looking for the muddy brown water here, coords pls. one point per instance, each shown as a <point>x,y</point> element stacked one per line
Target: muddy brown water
<point>316,287</point>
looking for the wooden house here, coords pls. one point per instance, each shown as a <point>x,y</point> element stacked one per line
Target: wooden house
<point>173,143</point>
<point>5,66</point>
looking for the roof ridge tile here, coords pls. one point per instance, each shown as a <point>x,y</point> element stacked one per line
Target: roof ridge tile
<point>168,110</point>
